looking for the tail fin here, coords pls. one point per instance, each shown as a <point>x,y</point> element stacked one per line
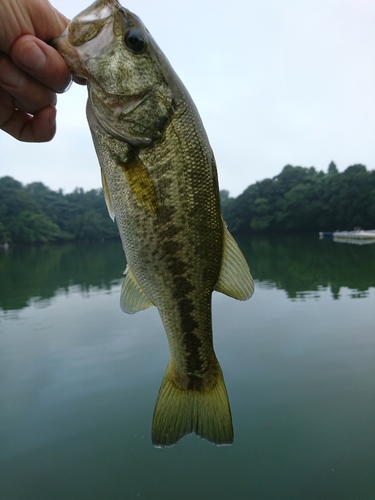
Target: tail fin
<point>180,412</point>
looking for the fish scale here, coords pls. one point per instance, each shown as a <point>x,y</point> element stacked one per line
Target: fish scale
<point>160,183</point>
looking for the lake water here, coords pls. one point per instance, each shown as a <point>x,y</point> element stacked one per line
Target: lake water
<point>79,379</point>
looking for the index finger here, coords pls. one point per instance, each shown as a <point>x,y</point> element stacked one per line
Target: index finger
<point>41,61</point>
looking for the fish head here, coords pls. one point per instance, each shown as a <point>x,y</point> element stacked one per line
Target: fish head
<point>110,49</point>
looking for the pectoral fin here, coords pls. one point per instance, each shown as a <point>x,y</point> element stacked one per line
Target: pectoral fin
<point>107,196</point>
<point>133,298</point>
<point>140,183</point>
<point>235,279</point>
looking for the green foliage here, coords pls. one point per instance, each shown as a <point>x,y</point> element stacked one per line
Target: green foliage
<point>297,199</point>
<point>301,199</point>
<point>332,168</point>
<point>224,195</point>
<point>34,213</point>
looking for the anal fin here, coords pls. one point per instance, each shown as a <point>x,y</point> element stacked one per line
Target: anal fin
<point>235,279</point>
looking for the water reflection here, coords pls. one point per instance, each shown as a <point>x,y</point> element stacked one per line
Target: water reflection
<point>78,379</point>
<point>38,272</point>
<point>354,242</point>
<point>302,265</point>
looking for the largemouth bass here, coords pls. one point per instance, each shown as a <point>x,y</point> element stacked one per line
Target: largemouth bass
<point>160,183</point>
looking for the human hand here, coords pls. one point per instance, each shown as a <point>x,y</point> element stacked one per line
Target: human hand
<point>31,72</point>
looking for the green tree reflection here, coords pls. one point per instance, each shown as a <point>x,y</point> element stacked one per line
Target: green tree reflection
<point>297,263</point>
<point>38,272</point>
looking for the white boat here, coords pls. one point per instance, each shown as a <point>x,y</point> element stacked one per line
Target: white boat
<point>358,236</point>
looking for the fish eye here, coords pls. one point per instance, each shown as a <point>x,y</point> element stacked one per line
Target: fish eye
<point>135,41</point>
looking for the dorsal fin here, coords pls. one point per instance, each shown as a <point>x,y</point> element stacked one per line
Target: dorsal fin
<point>235,279</point>
<point>133,298</point>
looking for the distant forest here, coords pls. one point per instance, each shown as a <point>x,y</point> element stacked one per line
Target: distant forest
<point>303,199</point>
<point>35,213</point>
<point>298,199</point>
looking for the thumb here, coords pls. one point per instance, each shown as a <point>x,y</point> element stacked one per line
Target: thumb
<point>47,21</point>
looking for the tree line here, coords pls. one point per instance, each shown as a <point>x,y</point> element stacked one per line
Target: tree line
<point>302,198</point>
<point>35,213</point>
<point>297,199</point>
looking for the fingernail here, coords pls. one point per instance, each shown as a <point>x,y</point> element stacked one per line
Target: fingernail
<point>31,56</point>
<point>68,86</point>
<point>10,75</point>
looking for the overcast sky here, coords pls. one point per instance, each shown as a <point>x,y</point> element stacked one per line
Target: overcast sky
<point>276,82</point>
